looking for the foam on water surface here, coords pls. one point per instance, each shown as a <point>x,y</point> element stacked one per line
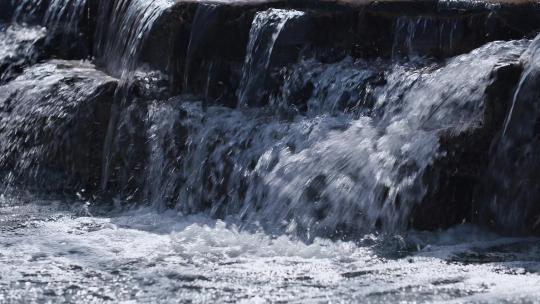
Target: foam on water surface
<point>55,253</point>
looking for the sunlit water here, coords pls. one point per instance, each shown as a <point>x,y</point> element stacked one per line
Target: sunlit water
<point>50,252</point>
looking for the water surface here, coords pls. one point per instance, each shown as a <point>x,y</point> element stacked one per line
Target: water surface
<point>51,252</point>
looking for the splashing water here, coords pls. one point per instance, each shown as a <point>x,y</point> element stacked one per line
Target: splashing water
<point>341,152</point>
<point>53,253</point>
<point>343,174</point>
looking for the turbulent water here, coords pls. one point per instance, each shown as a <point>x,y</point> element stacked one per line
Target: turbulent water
<point>51,252</point>
<point>321,174</point>
<point>309,189</point>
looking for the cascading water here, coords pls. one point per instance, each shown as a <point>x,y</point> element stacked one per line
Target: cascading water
<point>308,187</point>
<point>419,36</point>
<point>123,26</point>
<point>122,29</point>
<point>318,88</point>
<point>263,35</point>
<point>379,119</point>
<point>58,15</point>
<point>321,175</point>
<point>314,174</point>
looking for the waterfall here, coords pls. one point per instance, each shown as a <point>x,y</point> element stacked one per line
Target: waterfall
<point>122,30</point>
<point>318,175</point>
<point>265,31</point>
<point>123,26</point>
<point>424,35</point>
<point>58,15</point>
<point>204,20</point>
<point>323,142</point>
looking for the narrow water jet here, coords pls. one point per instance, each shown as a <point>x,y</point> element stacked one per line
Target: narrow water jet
<point>123,26</point>
<point>513,202</point>
<point>265,31</point>
<point>205,20</point>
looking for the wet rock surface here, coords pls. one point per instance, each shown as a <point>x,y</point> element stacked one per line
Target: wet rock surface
<point>511,182</point>
<point>53,118</point>
<point>19,47</point>
<point>473,123</point>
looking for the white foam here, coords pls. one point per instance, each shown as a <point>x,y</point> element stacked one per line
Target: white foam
<point>46,252</point>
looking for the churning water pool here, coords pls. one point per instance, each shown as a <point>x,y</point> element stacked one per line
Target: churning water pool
<point>53,253</point>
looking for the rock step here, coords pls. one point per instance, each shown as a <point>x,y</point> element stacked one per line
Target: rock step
<point>211,47</point>
<point>53,119</point>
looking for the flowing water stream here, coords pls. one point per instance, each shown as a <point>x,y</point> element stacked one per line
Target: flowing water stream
<point>264,33</point>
